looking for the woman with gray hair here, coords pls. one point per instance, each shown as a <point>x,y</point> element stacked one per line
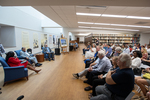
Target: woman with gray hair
<point>91,52</point>
<point>117,51</point>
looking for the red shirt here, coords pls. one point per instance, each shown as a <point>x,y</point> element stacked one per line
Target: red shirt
<point>14,62</point>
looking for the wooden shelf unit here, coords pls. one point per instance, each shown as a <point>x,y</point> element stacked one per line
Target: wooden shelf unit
<point>113,38</point>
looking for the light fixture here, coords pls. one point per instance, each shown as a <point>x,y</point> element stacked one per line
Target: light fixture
<point>85,23</point>
<point>114,24</point>
<point>138,17</point>
<point>97,27</point>
<point>102,24</point>
<point>118,25</point>
<point>119,16</point>
<point>83,34</point>
<point>83,27</point>
<point>88,14</point>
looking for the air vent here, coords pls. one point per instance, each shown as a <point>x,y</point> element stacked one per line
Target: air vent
<point>93,7</point>
<point>141,22</point>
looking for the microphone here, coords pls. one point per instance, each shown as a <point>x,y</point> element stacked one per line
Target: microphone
<point>20,97</point>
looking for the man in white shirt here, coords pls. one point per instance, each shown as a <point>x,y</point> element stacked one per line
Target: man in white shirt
<point>126,49</point>
<point>148,49</point>
<point>26,55</point>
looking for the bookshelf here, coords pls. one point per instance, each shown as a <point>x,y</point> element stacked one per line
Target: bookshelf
<point>113,38</point>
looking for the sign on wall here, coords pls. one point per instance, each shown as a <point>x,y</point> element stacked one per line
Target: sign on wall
<point>43,40</point>
<point>35,40</point>
<point>25,40</point>
<point>50,39</point>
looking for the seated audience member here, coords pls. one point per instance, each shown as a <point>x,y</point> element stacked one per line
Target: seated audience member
<point>91,52</point>
<point>87,63</point>
<point>95,55</point>
<point>108,51</point>
<point>141,82</point>
<point>134,47</point>
<point>148,49</point>
<point>122,47</point>
<point>144,53</point>
<point>13,61</point>
<point>76,44</point>
<point>126,49</point>
<point>97,41</point>
<point>130,47</point>
<point>48,51</point>
<point>105,47</point>
<point>119,83</point>
<point>88,48</point>
<point>136,59</point>
<point>26,55</point>
<point>146,61</point>
<point>100,79</point>
<point>138,47</point>
<point>118,51</point>
<point>101,67</point>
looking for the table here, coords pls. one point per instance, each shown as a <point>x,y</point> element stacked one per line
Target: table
<point>40,57</point>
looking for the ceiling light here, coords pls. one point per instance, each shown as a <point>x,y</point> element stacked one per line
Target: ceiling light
<point>118,25</point>
<point>138,26</point>
<point>97,27</point>
<point>83,27</point>
<point>102,23</point>
<point>85,23</point>
<point>88,14</point>
<point>120,16</point>
<point>82,34</point>
<point>126,29</point>
<point>114,24</point>
<point>138,17</point>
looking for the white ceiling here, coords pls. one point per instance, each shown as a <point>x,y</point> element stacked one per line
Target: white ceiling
<point>66,16</point>
<point>64,12</point>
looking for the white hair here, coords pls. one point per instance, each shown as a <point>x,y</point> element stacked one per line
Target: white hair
<point>101,53</point>
<point>118,49</point>
<point>125,58</point>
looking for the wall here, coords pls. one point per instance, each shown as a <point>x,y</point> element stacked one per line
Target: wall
<point>81,39</point>
<point>144,38</point>
<point>8,36</point>
<point>72,36</point>
<point>23,22</point>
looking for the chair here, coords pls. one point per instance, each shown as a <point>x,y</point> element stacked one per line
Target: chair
<point>130,96</point>
<point>29,51</point>
<point>13,73</point>
<point>18,55</point>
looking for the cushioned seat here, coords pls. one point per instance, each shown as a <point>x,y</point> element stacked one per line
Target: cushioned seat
<point>13,73</point>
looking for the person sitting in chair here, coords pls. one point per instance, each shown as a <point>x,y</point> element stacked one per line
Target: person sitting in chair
<point>26,55</point>
<point>14,61</point>
<point>48,51</point>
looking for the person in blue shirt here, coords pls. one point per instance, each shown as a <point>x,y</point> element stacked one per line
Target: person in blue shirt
<point>119,83</point>
<point>88,48</point>
<point>100,79</point>
<point>105,46</point>
<point>108,50</point>
<point>48,51</point>
<point>102,66</point>
<point>76,44</point>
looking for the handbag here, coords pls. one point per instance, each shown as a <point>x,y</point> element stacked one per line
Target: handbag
<point>137,71</point>
<point>146,75</point>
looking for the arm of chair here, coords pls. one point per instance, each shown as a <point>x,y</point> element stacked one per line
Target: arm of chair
<point>19,57</point>
<point>11,68</point>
